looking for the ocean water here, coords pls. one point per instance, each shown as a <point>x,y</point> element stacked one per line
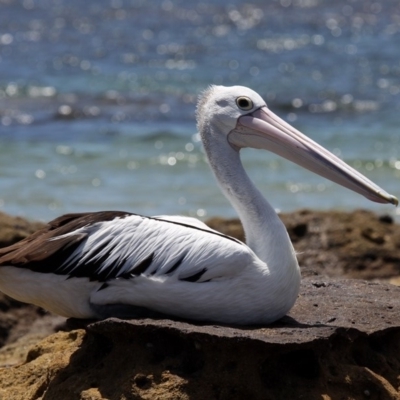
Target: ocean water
<point>97,100</point>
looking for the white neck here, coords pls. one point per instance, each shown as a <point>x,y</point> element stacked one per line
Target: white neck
<point>265,233</point>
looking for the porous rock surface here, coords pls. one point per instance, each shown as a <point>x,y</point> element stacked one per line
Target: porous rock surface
<point>340,341</point>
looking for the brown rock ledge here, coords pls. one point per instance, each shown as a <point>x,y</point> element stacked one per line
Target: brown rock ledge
<point>340,341</point>
<point>14,229</point>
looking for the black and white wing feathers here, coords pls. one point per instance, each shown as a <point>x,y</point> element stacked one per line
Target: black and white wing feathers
<point>117,245</point>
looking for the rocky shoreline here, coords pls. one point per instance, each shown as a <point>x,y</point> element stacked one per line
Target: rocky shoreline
<point>340,341</point>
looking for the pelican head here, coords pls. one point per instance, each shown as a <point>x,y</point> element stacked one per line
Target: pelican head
<point>244,120</point>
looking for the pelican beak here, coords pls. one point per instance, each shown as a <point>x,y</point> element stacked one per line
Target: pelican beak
<point>264,130</point>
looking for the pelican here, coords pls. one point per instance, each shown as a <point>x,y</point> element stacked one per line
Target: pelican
<point>118,264</point>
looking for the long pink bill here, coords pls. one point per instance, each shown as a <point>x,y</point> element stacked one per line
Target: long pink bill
<point>264,130</point>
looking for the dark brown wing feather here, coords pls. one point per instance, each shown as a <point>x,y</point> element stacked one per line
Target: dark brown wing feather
<point>37,249</point>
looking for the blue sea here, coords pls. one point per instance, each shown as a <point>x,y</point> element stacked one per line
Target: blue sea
<point>97,100</point>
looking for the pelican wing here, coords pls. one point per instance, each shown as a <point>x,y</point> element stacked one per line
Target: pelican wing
<point>116,245</point>
<point>185,221</point>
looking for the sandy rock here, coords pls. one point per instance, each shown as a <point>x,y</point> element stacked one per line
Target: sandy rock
<point>340,341</point>
<point>326,348</point>
<point>30,380</point>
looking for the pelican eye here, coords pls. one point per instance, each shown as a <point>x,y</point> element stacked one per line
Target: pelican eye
<point>244,103</point>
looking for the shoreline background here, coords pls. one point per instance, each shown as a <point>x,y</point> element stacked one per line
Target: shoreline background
<point>97,100</point>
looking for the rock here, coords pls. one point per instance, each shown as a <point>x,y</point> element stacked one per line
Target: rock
<point>14,229</point>
<point>340,341</point>
<point>19,319</point>
<point>21,324</point>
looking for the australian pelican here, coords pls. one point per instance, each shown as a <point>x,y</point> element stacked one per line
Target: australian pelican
<point>102,264</point>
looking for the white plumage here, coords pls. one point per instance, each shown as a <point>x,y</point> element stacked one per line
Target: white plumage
<point>97,265</point>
